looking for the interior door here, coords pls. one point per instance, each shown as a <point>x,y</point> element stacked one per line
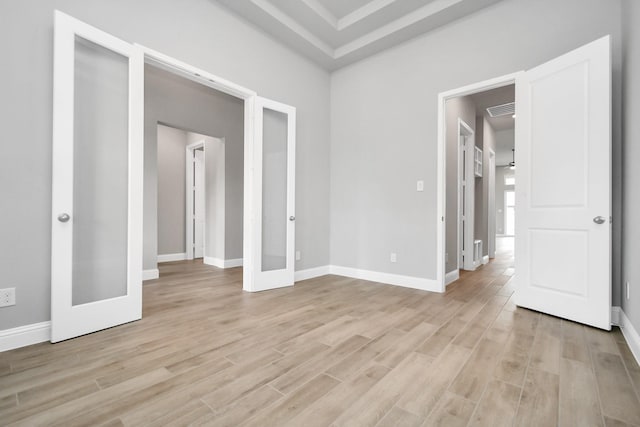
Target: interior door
<point>96,261</point>
<point>274,195</point>
<point>563,171</point>
<point>198,202</point>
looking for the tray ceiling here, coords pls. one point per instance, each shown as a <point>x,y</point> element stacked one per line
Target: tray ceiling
<point>335,33</point>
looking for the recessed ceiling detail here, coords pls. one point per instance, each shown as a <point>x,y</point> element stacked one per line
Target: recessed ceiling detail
<point>335,33</point>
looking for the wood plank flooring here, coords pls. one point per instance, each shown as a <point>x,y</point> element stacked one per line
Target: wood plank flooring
<point>329,351</point>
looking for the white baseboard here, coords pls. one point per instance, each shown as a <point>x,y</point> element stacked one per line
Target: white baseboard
<point>216,262</point>
<point>451,276</point>
<point>485,259</point>
<point>312,273</point>
<point>630,334</point>
<point>230,263</point>
<point>150,274</point>
<point>223,263</point>
<point>23,336</point>
<point>387,278</point>
<point>172,257</point>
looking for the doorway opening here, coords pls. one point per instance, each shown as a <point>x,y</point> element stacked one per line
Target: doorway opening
<point>477,128</point>
<point>191,193</point>
<point>195,164</point>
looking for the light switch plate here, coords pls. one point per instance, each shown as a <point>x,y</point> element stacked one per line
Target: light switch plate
<point>420,185</point>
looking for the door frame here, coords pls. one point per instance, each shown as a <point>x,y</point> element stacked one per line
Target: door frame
<point>470,89</point>
<point>465,135</point>
<point>189,213</point>
<point>205,78</point>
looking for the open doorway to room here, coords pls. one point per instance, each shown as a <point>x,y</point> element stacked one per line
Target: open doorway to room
<point>191,197</point>
<point>124,107</point>
<point>479,180</point>
<point>199,165</point>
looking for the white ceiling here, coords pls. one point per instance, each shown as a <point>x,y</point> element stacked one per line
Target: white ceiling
<point>335,33</point>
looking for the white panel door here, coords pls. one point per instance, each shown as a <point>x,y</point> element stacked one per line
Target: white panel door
<point>96,236</point>
<point>273,195</point>
<point>563,197</point>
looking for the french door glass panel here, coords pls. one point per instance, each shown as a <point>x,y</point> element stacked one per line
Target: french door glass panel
<point>274,191</point>
<point>100,174</point>
<point>274,195</point>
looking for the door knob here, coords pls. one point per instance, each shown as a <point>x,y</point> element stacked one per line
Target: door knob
<point>64,217</point>
<point>292,218</point>
<point>599,220</point>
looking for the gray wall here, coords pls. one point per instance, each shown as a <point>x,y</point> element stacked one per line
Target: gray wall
<point>384,122</point>
<point>214,40</point>
<point>171,190</point>
<point>456,108</point>
<point>183,104</point>
<point>504,143</point>
<point>631,138</point>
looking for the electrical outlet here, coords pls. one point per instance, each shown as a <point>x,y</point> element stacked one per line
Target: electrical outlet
<point>393,257</point>
<point>446,257</point>
<point>7,297</point>
<point>298,256</point>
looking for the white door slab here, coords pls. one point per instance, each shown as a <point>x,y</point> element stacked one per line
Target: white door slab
<point>96,237</point>
<point>563,197</point>
<point>273,195</point>
<point>198,203</point>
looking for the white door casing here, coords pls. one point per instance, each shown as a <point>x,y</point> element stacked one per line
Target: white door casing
<point>466,205</point>
<point>72,316</point>
<point>563,197</point>
<point>273,198</point>
<point>199,203</point>
<point>192,234</point>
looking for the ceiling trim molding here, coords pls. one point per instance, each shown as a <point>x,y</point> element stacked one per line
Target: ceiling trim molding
<point>294,26</point>
<point>322,12</point>
<point>395,26</point>
<point>362,13</point>
<point>337,34</point>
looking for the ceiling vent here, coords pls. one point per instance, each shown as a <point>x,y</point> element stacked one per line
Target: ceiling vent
<point>502,110</point>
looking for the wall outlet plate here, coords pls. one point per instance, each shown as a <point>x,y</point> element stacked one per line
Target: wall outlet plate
<point>7,297</point>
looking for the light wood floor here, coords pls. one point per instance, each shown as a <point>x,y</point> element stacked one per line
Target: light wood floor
<point>330,351</point>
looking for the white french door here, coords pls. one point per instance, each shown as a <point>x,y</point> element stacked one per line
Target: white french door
<point>273,196</point>
<point>563,158</point>
<point>96,261</point>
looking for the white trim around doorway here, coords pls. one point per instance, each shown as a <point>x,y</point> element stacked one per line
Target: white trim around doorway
<point>205,78</point>
<point>441,166</point>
